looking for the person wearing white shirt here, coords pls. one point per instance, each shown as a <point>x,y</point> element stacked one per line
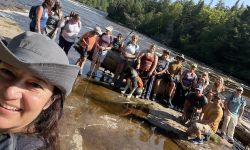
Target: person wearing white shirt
<point>69,32</point>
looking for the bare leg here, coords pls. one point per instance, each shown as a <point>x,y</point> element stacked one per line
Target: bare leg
<point>81,62</point>
<point>92,67</point>
<point>198,134</point>
<point>97,66</point>
<point>171,89</point>
<point>156,86</point>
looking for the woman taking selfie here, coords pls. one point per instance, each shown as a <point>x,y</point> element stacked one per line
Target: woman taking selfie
<point>32,92</point>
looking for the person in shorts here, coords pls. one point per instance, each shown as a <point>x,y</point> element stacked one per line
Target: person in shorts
<point>103,45</point>
<point>86,44</point>
<point>209,121</point>
<point>174,70</point>
<point>194,103</point>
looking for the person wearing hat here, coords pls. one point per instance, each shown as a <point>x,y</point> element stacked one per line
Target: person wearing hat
<point>103,45</point>
<point>174,70</point>
<point>188,80</point>
<point>194,103</point>
<point>35,78</point>
<point>209,121</point>
<point>158,74</point>
<point>86,44</point>
<point>234,109</point>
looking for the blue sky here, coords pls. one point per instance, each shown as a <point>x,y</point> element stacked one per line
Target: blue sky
<point>227,2</point>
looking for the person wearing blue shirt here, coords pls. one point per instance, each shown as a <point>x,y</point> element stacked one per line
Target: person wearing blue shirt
<point>234,108</point>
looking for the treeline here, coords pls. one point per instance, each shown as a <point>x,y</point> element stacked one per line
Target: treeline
<point>218,35</point>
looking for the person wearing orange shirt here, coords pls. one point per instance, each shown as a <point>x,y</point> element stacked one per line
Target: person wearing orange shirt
<point>87,43</point>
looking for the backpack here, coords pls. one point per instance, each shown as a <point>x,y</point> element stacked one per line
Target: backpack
<point>32,12</point>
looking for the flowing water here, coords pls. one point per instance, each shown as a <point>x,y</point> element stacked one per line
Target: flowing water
<point>93,117</point>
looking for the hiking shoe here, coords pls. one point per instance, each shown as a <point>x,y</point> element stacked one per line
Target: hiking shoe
<point>197,141</point>
<point>154,97</point>
<point>123,92</point>
<point>112,84</point>
<point>222,135</point>
<point>206,137</point>
<point>137,96</point>
<point>89,74</point>
<point>129,96</point>
<point>231,140</point>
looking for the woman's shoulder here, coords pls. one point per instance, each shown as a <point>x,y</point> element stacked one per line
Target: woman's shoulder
<point>21,141</point>
<point>29,142</point>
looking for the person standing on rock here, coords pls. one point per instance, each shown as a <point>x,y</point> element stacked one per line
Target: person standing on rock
<point>159,74</point>
<point>87,42</point>
<point>39,16</point>
<point>35,78</point>
<point>54,21</point>
<point>69,32</point>
<point>209,121</point>
<point>147,62</point>
<point>128,55</point>
<point>103,45</point>
<point>233,112</point>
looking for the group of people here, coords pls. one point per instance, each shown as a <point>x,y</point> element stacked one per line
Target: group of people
<point>143,73</point>
<point>36,77</point>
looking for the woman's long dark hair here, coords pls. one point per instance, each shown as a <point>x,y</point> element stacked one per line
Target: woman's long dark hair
<point>48,4</point>
<point>46,124</point>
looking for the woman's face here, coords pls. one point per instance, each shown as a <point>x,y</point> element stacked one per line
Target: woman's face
<point>152,49</point>
<point>108,32</point>
<point>134,39</point>
<point>22,98</point>
<point>219,81</point>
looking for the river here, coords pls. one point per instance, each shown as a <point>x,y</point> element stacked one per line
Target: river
<point>92,121</point>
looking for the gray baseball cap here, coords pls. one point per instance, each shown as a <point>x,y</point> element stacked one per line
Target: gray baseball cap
<point>41,56</point>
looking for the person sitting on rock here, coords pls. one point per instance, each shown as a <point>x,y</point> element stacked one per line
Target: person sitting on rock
<point>203,81</point>
<point>174,69</point>
<point>209,120</point>
<point>187,82</point>
<point>218,86</point>
<point>194,103</point>
<point>234,109</point>
<point>134,82</point>
<point>159,74</point>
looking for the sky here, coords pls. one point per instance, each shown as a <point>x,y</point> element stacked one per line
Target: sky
<point>227,2</point>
